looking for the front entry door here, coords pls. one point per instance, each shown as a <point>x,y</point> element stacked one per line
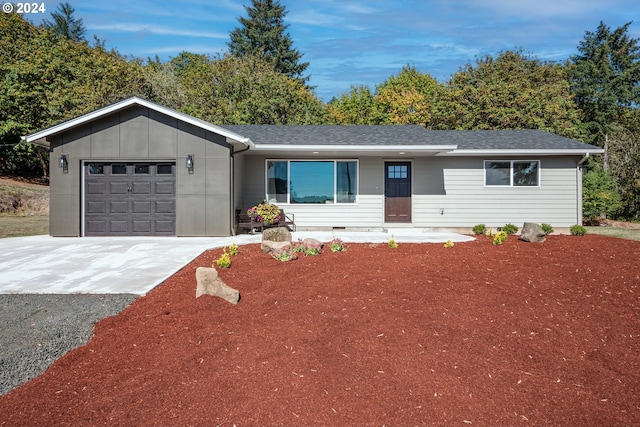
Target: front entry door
<point>397,192</point>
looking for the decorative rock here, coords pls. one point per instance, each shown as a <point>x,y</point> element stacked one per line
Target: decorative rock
<point>275,239</point>
<point>209,283</point>
<point>269,246</point>
<point>312,243</point>
<point>532,232</point>
<point>276,234</point>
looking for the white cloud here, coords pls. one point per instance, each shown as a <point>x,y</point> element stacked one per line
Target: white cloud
<point>155,29</point>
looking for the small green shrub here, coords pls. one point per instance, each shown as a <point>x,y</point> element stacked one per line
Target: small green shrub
<point>509,229</point>
<point>448,244</point>
<point>547,228</point>
<point>225,260</point>
<point>577,230</point>
<point>479,229</point>
<point>392,243</point>
<point>234,249</point>
<point>337,245</point>
<point>500,238</point>
<point>306,248</point>
<point>284,255</point>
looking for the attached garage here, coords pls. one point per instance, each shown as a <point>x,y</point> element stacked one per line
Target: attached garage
<point>136,168</point>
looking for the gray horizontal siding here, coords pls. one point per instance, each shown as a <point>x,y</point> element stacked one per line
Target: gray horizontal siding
<point>448,192</point>
<point>466,201</point>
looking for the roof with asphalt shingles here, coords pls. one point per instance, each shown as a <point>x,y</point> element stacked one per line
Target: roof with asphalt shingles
<point>405,135</point>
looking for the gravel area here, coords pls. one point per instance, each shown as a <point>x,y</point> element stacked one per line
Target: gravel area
<point>37,329</point>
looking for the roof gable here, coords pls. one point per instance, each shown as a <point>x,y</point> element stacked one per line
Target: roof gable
<point>40,136</point>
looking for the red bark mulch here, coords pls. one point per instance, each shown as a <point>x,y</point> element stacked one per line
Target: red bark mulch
<point>518,334</point>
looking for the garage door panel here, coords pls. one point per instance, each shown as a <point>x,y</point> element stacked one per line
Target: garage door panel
<point>141,207</point>
<point>141,188</point>
<point>118,188</point>
<point>142,226</point>
<point>118,226</point>
<point>96,226</point>
<point>167,226</point>
<point>165,188</point>
<point>96,188</point>
<point>96,207</point>
<point>165,206</point>
<point>129,199</point>
<point>118,207</point>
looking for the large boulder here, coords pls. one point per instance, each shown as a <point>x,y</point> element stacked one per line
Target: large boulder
<point>277,234</point>
<point>275,239</point>
<point>269,246</point>
<point>209,283</point>
<point>532,232</point>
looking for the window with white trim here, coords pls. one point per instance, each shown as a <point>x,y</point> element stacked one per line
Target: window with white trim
<point>512,173</point>
<point>312,181</point>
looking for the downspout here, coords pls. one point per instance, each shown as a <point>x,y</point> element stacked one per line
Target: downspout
<point>579,186</point>
<point>232,188</point>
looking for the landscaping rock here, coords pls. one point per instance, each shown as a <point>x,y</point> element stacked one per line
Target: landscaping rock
<point>532,232</point>
<point>269,246</point>
<point>209,283</point>
<point>276,234</point>
<point>312,243</point>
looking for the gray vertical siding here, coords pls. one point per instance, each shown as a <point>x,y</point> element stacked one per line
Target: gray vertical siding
<point>136,133</point>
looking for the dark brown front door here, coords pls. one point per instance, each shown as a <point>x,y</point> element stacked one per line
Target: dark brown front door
<point>397,192</point>
<point>129,199</point>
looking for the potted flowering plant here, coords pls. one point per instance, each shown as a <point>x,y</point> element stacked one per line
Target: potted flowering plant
<point>266,213</point>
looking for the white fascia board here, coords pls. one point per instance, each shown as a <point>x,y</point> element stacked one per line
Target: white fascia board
<point>524,152</point>
<point>127,103</point>
<point>363,148</point>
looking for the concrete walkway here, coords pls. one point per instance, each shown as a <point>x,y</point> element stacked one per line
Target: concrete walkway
<point>103,265</point>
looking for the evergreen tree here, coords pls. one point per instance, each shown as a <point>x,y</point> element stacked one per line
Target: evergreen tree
<point>605,78</point>
<point>64,24</point>
<point>263,34</point>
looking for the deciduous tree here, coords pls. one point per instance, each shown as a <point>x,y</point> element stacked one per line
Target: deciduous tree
<point>406,98</point>
<point>511,91</point>
<point>355,107</point>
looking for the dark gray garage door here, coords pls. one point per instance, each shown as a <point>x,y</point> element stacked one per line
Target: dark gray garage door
<point>130,199</point>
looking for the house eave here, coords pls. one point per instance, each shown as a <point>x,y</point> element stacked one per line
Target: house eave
<point>523,152</point>
<point>40,137</point>
<point>363,149</point>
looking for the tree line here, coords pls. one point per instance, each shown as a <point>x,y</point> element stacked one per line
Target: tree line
<point>50,73</point>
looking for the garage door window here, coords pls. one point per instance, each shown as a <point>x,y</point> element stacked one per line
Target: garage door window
<point>118,169</point>
<point>164,169</point>
<point>96,169</point>
<point>141,170</point>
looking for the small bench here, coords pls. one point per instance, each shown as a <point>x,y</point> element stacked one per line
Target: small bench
<point>246,223</point>
<point>287,220</point>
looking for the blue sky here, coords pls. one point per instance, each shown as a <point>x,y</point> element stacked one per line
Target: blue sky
<point>350,42</point>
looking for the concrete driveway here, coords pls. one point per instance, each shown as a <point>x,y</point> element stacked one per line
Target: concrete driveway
<point>104,265</point>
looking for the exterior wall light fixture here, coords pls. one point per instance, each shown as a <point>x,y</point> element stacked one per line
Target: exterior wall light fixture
<point>189,163</point>
<point>63,162</point>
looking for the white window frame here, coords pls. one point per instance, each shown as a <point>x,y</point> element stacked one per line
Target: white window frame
<point>511,162</point>
<point>335,181</point>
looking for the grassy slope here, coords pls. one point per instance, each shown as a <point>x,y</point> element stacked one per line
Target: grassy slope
<point>24,209</point>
